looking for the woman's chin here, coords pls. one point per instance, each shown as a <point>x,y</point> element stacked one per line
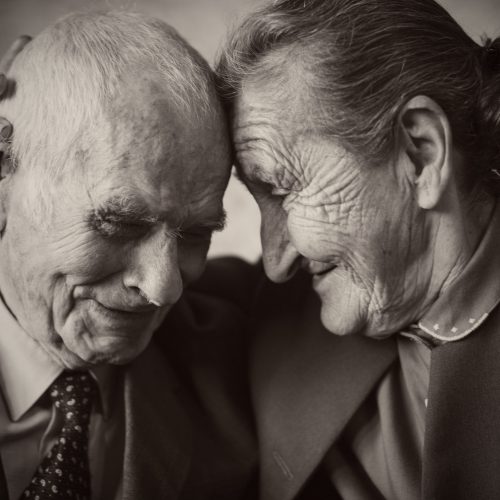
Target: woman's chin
<point>341,324</point>
<point>344,305</point>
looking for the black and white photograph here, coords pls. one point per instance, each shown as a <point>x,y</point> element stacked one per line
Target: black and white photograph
<point>249,249</point>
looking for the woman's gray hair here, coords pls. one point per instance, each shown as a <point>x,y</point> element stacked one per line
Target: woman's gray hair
<point>362,60</point>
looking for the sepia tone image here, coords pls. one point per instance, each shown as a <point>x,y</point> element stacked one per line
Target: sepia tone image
<point>249,249</point>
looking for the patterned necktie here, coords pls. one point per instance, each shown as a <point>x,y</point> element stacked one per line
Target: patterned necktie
<point>64,472</point>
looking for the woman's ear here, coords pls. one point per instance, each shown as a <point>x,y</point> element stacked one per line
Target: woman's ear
<point>428,144</point>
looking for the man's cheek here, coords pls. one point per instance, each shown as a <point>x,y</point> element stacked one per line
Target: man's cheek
<point>85,256</point>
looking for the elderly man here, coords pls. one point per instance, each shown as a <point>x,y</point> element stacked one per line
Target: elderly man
<point>367,131</point>
<point>106,214</point>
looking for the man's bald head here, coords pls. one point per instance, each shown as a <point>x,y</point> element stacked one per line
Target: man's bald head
<point>70,75</point>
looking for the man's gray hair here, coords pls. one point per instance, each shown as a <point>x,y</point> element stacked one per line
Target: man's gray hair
<point>67,76</point>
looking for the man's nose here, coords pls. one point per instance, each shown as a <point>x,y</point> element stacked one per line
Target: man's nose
<point>154,270</point>
<point>281,259</point>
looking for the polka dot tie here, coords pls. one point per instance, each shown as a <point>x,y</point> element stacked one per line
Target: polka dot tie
<point>64,472</point>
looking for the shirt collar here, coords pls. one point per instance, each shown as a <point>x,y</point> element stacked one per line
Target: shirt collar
<point>27,371</point>
<point>468,301</point>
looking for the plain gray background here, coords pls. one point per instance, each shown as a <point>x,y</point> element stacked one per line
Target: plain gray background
<point>204,24</point>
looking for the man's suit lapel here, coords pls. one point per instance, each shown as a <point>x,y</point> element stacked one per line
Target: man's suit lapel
<point>462,442</point>
<point>4,494</point>
<point>305,390</point>
<point>158,440</point>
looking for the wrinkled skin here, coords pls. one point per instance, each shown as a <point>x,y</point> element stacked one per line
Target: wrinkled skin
<point>357,228</point>
<point>128,225</point>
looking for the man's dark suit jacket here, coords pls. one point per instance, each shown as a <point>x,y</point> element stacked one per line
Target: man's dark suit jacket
<point>307,383</point>
<point>188,431</point>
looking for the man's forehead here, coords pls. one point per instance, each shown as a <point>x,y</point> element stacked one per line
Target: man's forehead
<point>141,88</point>
<point>136,117</point>
<point>154,180</point>
<point>147,149</point>
<point>151,126</point>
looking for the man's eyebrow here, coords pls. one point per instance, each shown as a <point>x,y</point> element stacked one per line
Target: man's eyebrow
<point>122,209</point>
<point>130,210</point>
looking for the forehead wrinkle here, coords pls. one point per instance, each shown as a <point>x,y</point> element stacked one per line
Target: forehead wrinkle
<point>251,172</point>
<point>254,145</point>
<point>141,132</point>
<point>285,107</point>
<point>250,132</point>
<point>200,205</point>
<point>262,159</point>
<point>130,148</point>
<point>267,136</point>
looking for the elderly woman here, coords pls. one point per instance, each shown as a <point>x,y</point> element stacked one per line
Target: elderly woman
<point>368,133</point>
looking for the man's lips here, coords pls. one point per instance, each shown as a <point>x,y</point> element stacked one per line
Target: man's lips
<point>121,312</point>
<point>116,302</point>
<point>124,318</point>
<point>127,309</point>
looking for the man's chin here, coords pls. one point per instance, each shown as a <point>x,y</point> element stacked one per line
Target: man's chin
<point>90,339</point>
<point>86,351</point>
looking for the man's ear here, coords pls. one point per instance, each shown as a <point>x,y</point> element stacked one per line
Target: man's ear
<point>427,140</point>
<point>6,171</point>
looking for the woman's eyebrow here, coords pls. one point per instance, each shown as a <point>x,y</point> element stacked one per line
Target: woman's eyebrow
<point>213,223</point>
<point>252,174</point>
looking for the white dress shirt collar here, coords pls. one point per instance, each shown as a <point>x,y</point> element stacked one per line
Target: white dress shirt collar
<point>26,371</point>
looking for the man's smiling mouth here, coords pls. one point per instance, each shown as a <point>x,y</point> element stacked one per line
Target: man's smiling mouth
<point>119,315</point>
<point>125,309</point>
